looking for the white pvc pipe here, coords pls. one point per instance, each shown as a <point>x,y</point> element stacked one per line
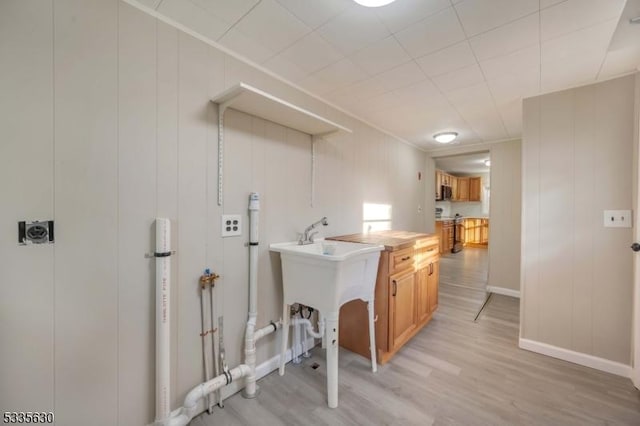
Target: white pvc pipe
<point>163,329</point>
<point>309,327</point>
<point>250,389</point>
<point>190,405</point>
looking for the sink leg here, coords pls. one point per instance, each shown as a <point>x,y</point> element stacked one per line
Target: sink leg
<point>332,359</point>
<point>285,336</point>
<point>372,337</point>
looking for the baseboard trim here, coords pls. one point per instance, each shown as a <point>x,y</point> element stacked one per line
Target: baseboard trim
<point>504,291</point>
<point>576,357</point>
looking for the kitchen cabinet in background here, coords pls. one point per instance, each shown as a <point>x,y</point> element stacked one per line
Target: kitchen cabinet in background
<point>475,189</point>
<point>476,232</point>
<point>444,229</point>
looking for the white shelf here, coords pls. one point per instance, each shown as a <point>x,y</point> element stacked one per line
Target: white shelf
<point>246,98</point>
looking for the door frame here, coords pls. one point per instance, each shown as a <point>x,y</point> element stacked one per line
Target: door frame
<point>635,337</point>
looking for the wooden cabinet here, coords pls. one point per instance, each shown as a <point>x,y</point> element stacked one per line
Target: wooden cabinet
<point>404,300</point>
<point>462,193</point>
<point>476,232</point>
<point>475,189</point>
<point>462,188</point>
<point>402,303</point>
<point>444,229</point>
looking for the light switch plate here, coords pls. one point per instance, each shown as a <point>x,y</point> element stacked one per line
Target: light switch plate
<point>617,219</point>
<point>231,225</point>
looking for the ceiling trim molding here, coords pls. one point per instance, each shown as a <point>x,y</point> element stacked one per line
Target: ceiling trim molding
<point>259,67</point>
<point>468,148</point>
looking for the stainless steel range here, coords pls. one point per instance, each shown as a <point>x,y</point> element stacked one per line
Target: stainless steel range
<point>458,233</point>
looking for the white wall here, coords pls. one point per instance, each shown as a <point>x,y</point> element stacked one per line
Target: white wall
<point>106,123</point>
<point>505,209</point>
<point>576,274</point>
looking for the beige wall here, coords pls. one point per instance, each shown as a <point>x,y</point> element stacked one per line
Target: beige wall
<point>106,123</point>
<point>505,212</point>
<point>576,274</point>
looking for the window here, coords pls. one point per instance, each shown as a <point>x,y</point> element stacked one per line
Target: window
<point>376,217</point>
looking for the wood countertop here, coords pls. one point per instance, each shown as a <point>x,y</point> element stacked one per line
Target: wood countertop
<point>392,240</point>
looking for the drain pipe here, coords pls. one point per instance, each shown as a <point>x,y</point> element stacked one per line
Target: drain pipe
<point>309,327</point>
<point>163,329</point>
<point>251,335</point>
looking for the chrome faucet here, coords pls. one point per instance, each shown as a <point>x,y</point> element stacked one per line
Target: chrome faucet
<point>306,237</point>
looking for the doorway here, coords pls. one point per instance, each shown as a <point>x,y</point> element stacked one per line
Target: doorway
<point>462,210</point>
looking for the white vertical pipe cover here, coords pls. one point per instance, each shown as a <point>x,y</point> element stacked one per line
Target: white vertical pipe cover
<point>163,337</point>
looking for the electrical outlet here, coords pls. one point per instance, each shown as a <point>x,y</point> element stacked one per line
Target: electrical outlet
<point>617,219</point>
<point>231,225</point>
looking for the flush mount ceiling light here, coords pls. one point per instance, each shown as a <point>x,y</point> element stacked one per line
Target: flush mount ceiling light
<point>373,3</point>
<point>487,163</point>
<point>445,137</point>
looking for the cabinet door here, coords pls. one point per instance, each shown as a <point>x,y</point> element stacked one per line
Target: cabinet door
<point>454,188</point>
<point>463,189</point>
<point>432,286</point>
<point>422,283</point>
<point>402,307</point>
<point>475,185</point>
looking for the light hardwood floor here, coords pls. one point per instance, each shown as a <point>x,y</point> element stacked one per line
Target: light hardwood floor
<point>454,372</point>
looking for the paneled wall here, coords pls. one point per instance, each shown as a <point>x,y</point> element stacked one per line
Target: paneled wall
<point>106,123</point>
<point>505,209</point>
<point>577,274</point>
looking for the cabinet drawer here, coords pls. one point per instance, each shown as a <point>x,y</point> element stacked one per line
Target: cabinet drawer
<point>401,260</point>
<point>425,255</point>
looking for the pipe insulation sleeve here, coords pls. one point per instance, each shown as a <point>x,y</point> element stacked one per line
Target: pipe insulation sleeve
<point>163,319</point>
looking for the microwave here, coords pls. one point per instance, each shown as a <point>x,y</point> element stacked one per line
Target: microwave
<point>445,192</point>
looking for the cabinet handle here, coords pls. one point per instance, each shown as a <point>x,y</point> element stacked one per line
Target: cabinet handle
<point>405,258</point>
<point>431,249</point>
<point>395,288</point>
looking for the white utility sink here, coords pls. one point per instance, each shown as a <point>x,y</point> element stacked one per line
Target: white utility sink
<point>325,282</point>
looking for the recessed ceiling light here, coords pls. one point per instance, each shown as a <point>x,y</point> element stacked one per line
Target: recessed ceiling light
<point>373,3</point>
<point>487,163</point>
<point>445,137</point>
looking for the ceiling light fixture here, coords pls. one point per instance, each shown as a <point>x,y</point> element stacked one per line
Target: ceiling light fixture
<point>445,137</point>
<point>373,3</point>
<point>487,163</point>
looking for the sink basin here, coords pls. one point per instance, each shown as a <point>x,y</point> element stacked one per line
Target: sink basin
<point>325,282</point>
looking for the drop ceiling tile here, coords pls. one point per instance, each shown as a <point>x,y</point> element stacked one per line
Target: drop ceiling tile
<point>353,29</point>
<point>486,123</point>
<point>431,34</point>
<point>341,74</point>
<point>514,63</point>
<point>245,46</point>
<point>315,13</point>
<point>463,77</point>
<point>421,93</point>
<point>381,56</point>
<point>620,61</point>
<point>194,17</point>
<point>273,25</point>
<point>316,84</point>
<point>153,4</point>
<point>508,87</point>
<point>480,16</point>
<point>511,114</point>
<point>229,11</point>
<point>285,69</point>
<point>311,53</point>
<point>507,38</point>
<point>401,76</point>
<point>400,14</point>
<point>448,59</point>
<point>471,99</point>
<point>593,40</point>
<point>548,3</point>
<point>570,72</point>
<point>573,15</point>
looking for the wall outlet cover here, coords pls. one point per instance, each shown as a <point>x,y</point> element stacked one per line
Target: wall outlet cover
<point>231,225</point>
<point>617,219</point>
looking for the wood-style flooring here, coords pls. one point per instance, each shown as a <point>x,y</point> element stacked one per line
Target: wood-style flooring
<point>454,372</point>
